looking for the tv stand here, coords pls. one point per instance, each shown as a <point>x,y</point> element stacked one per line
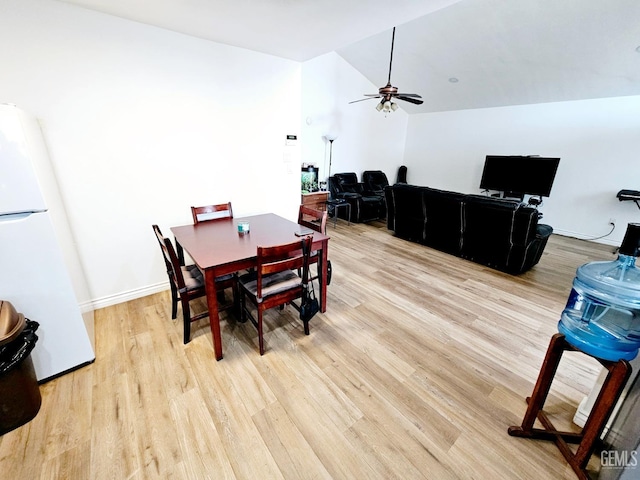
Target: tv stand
<point>513,196</point>
<point>508,195</point>
<point>533,201</point>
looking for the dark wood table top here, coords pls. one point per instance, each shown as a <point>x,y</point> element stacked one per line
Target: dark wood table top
<point>218,243</point>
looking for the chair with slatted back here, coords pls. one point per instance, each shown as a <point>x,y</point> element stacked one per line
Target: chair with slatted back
<point>187,283</point>
<point>275,281</point>
<point>208,213</point>
<point>312,218</point>
<point>315,220</point>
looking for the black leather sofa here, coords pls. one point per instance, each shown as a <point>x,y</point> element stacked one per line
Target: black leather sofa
<point>366,206</point>
<point>502,234</point>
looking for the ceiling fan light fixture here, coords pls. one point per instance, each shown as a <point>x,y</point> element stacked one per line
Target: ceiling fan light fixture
<point>387,106</point>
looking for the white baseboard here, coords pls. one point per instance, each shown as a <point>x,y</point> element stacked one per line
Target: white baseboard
<point>580,236</point>
<point>123,297</point>
<point>587,403</point>
<point>582,413</point>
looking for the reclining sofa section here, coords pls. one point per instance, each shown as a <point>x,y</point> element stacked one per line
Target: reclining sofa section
<point>502,234</point>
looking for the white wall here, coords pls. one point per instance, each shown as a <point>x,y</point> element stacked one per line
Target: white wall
<point>367,140</point>
<point>141,124</point>
<point>598,142</point>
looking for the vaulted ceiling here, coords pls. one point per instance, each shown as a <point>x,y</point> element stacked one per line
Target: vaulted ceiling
<point>458,54</point>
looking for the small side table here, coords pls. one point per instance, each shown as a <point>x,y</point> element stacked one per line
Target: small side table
<point>587,440</point>
<point>334,205</point>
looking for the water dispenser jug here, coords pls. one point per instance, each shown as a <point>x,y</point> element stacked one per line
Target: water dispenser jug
<point>602,316</point>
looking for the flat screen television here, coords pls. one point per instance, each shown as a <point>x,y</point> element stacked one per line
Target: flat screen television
<point>310,179</point>
<point>519,175</point>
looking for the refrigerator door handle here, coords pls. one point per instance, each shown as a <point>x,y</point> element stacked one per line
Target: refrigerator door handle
<point>17,217</point>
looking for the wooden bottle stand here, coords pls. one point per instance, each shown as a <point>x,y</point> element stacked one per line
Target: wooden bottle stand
<point>587,440</point>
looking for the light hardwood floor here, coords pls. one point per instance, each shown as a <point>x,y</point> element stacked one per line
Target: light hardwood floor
<point>421,363</point>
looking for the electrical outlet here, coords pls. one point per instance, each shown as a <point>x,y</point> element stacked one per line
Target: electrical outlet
<point>612,221</point>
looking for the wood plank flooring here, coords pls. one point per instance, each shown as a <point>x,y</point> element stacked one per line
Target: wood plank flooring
<point>421,363</point>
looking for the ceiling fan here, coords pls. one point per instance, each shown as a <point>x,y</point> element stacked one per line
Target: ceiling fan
<point>389,92</point>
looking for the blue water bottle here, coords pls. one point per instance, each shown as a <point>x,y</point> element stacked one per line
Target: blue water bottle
<point>602,316</point>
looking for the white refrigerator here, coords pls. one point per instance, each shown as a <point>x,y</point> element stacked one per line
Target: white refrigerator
<point>36,248</point>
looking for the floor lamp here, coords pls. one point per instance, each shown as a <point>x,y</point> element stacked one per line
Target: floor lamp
<point>330,138</point>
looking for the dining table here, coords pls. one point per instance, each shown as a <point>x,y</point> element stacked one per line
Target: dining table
<point>220,247</point>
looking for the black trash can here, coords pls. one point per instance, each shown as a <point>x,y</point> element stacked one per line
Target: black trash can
<point>19,390</point>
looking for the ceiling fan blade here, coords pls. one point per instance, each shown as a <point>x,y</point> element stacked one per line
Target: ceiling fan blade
<point>410,100</point>
<point>372,95</point>
<point>363,99</point>
<point>415,95</point>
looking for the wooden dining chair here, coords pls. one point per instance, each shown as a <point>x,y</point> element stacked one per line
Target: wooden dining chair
<point>312,218</point>
<point>275,281</point>
<point>208,213</point>
<point>315,220</point>
<point>187,283</point>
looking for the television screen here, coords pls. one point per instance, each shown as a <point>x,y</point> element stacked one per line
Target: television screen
<point>310,179</point>
<point>519,175</point>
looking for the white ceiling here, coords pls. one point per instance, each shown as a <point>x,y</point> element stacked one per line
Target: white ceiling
<point>502,52</point>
